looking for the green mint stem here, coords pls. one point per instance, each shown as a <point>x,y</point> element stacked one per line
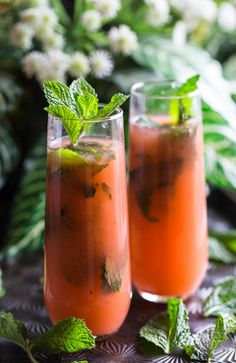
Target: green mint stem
<point>30,355</point>
<point>28,349</point>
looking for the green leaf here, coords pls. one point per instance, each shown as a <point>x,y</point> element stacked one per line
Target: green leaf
<point>179,331</point>
<point>222,299</point>
<point>26,228</point>
<point>81,87</point>
<point>87,106</point>
<point>208,340</point>
<point>219,252</point>
<point>225,324</point>
<point>111,277</point>
<point>116,101</point>
<point>13,330</point>
<point>227,237</point>
<point>67,336</point>
<point>156,331</point>
<point>69,119</point>
<point>58,94</point>
<point>171,331</point>
<point>188,86</point>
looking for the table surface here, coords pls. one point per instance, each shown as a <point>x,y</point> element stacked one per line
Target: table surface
<point>24,299</point>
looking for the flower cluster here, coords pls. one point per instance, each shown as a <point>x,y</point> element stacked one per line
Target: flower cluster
<point>39,24</point>
<point>51,53</point>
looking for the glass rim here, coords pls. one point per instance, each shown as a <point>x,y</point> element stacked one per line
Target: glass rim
<point>118,113</point>
<point>137,90</point>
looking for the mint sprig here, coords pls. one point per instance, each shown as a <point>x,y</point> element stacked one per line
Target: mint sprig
<point>209,339</point>
<point>180,110</point>
<point>67,336</point>
<point>77,104</point>
<point>170,331</point>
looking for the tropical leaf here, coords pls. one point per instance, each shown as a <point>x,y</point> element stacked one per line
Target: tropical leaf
<point>26,227</point>
<point>8,153</point>
<point>9,93</point>
<point>171,62</point>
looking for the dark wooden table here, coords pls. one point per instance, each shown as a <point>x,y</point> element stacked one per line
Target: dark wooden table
<point>25,300</point>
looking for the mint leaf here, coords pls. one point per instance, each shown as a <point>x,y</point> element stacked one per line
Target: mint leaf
<point>67,336</point>
<point>116,101</point>
<point>188,86</point>
<point>81,87</point>
<point>76,104</point>
<point>111,277</point>
<point>58,94</point>
<point>179,331</point>
<point>219,252</point>
<point>69,119</point>
<point>180,110</point>
<point>156,331</point>
<point>225,324</point>
<point>209,339</point>
<point>87,106</point>
<point>170,331</point>
<point>222,299</point>
<point>13,330</point>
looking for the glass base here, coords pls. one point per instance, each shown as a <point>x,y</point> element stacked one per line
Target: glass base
<point>160,298</point>
<point>153,297</point>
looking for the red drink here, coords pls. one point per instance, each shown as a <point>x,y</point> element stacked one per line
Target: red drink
<point>87,270</point>
<point>167,206</point>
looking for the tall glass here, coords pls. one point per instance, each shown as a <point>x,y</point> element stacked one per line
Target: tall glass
<point>87,266</point>
<point>167,204</point>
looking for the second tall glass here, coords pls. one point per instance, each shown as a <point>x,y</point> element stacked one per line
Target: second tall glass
<point>168,223</point>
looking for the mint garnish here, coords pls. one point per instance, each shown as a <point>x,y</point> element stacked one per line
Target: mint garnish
<point>180,110</point>
<point>67,336</point>
<point>77,104</point>
<point>170,331</point>
<point>221,299</point>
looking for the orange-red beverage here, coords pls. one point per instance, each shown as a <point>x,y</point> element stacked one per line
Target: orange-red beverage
<point>167,206</point>
<point>87,269</point>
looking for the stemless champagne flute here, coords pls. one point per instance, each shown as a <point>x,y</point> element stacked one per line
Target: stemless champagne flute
<point>87,267</point>
<point>167,204</point>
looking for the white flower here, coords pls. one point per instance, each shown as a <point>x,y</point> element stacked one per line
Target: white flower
<point>33,62</point>
<point>52,40</point>
<point>31,17</point>
<point>56,66</point>
<point>21,36</point>
<point>39,18</point>
<point>158,13</point>
<point>78,65</point>
<point>193,11</point>
<point>123,39</point>
<point>91,20</point>
<point>179,35</point>
<point>107,8</point>
<point>227,17</point>
<point>101,63</point>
